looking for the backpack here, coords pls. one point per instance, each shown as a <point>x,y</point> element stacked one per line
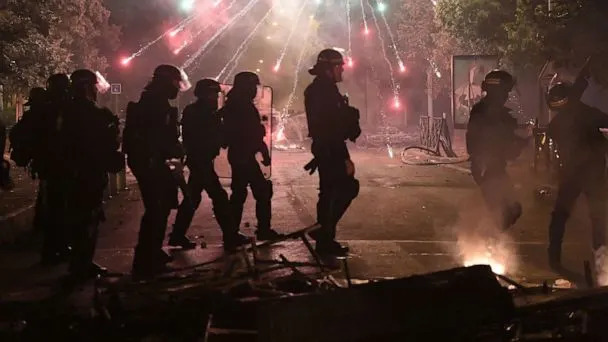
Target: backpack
<point>21,138</point>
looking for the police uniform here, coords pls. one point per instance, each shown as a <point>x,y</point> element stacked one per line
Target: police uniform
<point>326,111</point>
<point>582,155</point>
<point>245,138</point>
<point>201,130</point>
<point>93,137</point>
<point>50,166</point>
<point>150,139</point>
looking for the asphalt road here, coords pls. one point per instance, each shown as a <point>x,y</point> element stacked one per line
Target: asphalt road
<point>407,220</point>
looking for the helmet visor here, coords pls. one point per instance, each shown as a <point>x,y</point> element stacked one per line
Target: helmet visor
<point>184,83</point>
<point>102,84</point>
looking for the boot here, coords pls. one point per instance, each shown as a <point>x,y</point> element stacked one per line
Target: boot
<point>234,241</point>
<point>267,234</point>
<point>331,248</point>
<point>181,241</point>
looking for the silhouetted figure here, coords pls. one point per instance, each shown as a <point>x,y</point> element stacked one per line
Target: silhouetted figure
<point>331,121</point>
<point>44,150</point>
<point>151,140</point>
<point>202,138</point>
<point>245,139</point>
<point>491,142</point>
<point>92,141</point>
<point>582,154</point>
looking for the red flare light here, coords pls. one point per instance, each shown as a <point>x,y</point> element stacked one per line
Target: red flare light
<point>349,62</point>
<point>396,103</point>
<point>276,67</point>
<point>366,31</point>
<point>125,61</point>
<point>173,33</point>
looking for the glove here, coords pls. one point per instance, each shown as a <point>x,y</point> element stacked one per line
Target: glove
<point>312,166</point>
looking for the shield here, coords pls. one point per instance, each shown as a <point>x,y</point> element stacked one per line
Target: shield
<point>263,103</point>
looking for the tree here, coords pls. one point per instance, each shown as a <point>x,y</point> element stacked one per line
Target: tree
<point>422,42</point>
<point>42,38</point>
<point>525,33</point>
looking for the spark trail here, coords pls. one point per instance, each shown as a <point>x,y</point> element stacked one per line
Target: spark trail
<point>229,24</point>
<point>349,56</point>
<point>365,28</point>
<point>244,44</point>
<point>388,62</point>
<point>293,29</point>
<point>297,69</point>
<point>394,45</point>
<point>146,46</point>
<point>203,29</point>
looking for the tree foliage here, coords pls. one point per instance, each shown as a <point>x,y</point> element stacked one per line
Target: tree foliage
<point>44,37</point>
<point>422,42</point>
<point>525,33</point>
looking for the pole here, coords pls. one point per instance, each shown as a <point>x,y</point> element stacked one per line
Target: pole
<point>429,92</point>
<point>366,105</point>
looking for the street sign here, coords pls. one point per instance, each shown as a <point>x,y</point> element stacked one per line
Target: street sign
<point>116,88</point>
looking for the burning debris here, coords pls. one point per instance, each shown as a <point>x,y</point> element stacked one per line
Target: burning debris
<point>484,244</point>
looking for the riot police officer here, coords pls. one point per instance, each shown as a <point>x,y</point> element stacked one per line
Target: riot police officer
<point>582,154</point>
<point>331,121</point>
<point>50,167</point>
<point>202,138</point>
<point>245,139</point>
<point>150,140</point>
<point>92,138</point>
<point>491,142</point>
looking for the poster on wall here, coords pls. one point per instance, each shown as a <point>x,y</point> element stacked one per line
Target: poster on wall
<point>467,74</point>
<point>263,103</point>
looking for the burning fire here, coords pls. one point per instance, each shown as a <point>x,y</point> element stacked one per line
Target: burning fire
<point>484,246</point>
<point>496,266</point>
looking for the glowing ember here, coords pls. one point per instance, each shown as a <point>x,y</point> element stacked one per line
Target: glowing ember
<point>496,266</point>
<point>396,103</point>
<point>349,62</point>
<point>401,66</point>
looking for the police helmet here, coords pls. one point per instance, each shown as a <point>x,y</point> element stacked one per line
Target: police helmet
<point>36,95</point>
<point>58,82</point>
<point>326,58</point>
<point>206,86</point>
<point>557,96</point>
<point>498,80</point>
<point>246,78</point>
<point>83,76</point>
<point>171,73</point>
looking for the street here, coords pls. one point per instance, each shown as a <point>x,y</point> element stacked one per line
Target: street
<point>407,220</point>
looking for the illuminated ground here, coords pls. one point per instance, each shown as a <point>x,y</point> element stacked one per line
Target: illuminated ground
<point>407,220</point>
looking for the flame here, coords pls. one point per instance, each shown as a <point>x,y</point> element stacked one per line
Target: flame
<point>281,133</point>
<point>496,266</point>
